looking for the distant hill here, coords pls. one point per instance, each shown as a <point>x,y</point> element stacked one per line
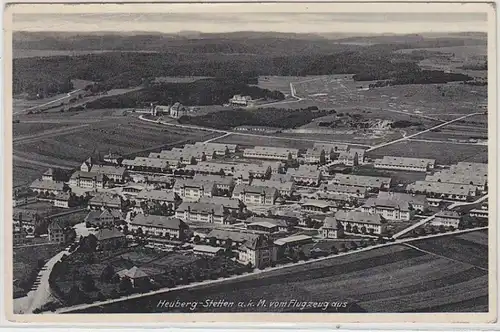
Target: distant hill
<point>267,43</point>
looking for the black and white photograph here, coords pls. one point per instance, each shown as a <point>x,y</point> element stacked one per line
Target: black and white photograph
<point>250,158</point>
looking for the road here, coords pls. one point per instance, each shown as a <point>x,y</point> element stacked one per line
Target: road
<point>42,294</point>
<point>258,272</point>
<point>457,204</point>
<point>69,94</point>
<point>39,163</point>
<point>47,134</point>
<point>415,225</point>
<point>216,138</point>
<point>293,94</point>
<point>426,220</point>
<point>421,132</point>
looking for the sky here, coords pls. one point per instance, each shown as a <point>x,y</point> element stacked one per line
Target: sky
<point>309,22</point>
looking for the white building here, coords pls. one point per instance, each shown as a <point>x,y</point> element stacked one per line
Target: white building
<point>364,222</point>
<point>62,200</point>
<point>256,195</point>
<point>331,229</point>
<point>285,188</point>
<point>395,206</point>
<point>348,158</point>
<point>447,218</point>
<point>405,164</point>
<point>269,152</point>
<point>305,175</point>
<point>159,226</point>
<point>203,212</point>
<point>443,191</point>
<point>352,191</point>
<point>239,100</point>
<point>369,182</point>
<point>193,190</point>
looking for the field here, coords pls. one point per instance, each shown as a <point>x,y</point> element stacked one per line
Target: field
<point>31,128</point>
<point>389,279</point>
<point>23,173</point>
<point>443,153</point>
<point>70,145</point>
<point>26,264</point>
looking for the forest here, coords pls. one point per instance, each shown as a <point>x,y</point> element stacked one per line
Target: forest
<point>214,91</point>
<point>218,58</point>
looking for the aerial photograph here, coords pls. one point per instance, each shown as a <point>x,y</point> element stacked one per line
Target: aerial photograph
<point>237,162</point>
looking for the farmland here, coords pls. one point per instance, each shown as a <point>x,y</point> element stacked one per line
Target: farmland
<point>31,128</point>
<point>58,147</point>
<point>419,281</point>
<point>439,151</point>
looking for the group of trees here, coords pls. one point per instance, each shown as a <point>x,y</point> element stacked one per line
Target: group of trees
<point>212,91</point>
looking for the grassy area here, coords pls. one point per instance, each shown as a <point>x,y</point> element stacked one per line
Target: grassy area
<point>443,153</point>
<point>28,262</point>
<point>123,135</point>
<point>418,282</point>
<point>24,128</point>
<point>401,177</point>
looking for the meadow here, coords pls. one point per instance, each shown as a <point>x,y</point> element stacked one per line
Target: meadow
<point>444,153</point>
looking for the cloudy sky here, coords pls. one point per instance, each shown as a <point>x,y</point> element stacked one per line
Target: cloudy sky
<point>214,20</point>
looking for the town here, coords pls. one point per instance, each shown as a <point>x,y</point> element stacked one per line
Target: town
<point>240,209</point>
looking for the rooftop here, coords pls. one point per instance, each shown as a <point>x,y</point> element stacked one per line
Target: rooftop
<point>331,223</point>
<point>292,239</point>
<point>202,208</point>
<point>47,185</point>
<point>107,234</point>
<point>361,180</point>
<point>402,201</point>
<point>88,175</point>
<point>331,147</point>
<point>208,249</point>
<point>245,188</point>
<point>157,195</point>
<point>227,202</point>
<point>404,161</point>
<point>442,188</point>
<point>218,179</point>
<point>157,221</point>
<point>274,184</point>
<point>272,150</point>
<point>360,217</point>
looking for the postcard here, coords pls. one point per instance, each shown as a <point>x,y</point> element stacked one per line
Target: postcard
<point>250,162</point>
